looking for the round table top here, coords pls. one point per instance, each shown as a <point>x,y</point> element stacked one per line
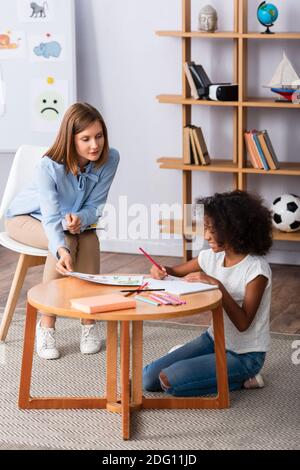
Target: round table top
<point>54,297</point>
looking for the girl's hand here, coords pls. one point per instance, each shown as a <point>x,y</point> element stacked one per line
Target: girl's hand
<point>201,277</point>
<point>65,263</point>
<point>73,223</point>
<point>158,273</point>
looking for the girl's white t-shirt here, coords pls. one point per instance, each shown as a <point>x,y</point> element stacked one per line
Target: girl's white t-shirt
<point>235,279</point>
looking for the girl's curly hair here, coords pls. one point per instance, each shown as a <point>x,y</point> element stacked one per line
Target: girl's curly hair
<point>240,220</point>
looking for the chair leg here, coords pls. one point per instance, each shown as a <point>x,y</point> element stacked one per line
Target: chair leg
<point>25,261</point>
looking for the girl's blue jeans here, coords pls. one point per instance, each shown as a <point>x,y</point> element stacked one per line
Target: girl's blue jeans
<point>191,369</point>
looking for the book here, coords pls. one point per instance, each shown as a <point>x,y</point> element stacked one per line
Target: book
<point>266,151</point>
<point>193,145</point>
<point>261,154</point>
<point>255,149</point>
<point>102,303</point>
<point>187,150</point>
<point>190,80</point>
<point>175,285</point>
<point>201,146</point>
<point>271,148</point>
<point>201,79</point>
<point>251,154</point>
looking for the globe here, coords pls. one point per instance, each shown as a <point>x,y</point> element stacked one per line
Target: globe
<point>267,14</point>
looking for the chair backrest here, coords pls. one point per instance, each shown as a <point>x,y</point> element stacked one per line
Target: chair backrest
<point>25,161</point>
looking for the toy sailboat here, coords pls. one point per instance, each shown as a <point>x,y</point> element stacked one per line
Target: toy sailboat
<point>285,80</point>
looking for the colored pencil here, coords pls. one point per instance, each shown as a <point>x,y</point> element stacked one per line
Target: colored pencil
<point>148,301</point>
<point>142,290</point>
<point>150,259</point>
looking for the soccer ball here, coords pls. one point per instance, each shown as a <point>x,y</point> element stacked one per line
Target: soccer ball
<point>286,213</point>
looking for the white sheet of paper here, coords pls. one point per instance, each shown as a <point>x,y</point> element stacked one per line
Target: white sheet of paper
<point>109,280</point>
<point>177,286</point>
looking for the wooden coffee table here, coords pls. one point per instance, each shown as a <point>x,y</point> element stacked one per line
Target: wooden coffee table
<point>53,297</point>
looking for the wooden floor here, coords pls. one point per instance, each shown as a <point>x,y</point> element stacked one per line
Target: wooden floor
<point>285,310</point>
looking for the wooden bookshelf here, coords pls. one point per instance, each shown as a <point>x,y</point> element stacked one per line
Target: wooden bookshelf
<point>236,164</point>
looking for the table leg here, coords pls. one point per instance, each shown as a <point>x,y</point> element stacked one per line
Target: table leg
<point>25,400</point>
<point>221,362</point>
<point>137,364</point>
<point>125,388</point>
<point>111,362</point>
<point>26,369</point>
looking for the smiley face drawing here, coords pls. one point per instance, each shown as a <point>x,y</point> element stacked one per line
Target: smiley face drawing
<point>50,105</point>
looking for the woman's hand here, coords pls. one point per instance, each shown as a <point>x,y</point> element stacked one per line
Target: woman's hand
<point>65,263</point>
<point>158,273</point>
<point>73,223</point>
<point>201,277</point>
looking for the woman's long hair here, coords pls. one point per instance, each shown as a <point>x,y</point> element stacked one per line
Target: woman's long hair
<point>76,119</point>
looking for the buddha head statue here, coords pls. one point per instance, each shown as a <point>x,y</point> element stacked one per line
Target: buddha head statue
<point>208,19</point>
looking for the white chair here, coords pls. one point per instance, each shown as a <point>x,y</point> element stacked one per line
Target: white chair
<point>20,175</point>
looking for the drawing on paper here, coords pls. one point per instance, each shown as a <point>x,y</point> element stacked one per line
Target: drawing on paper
<point>12,45</point>
<point>48,49</point>
<point>109,280</point>
<point>6,42</point>
<point>38,11</point>
<point>49,102</point>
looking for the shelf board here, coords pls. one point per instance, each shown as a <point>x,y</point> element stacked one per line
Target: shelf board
<point>287,236</point>
<point>286,168</point>
<point>255,35</point>
<point>199,34</point>
<point>268,103</point>
<point>249,103</point>
<point>229,35</point>
<point>179,99</point>
<point>216,166</point>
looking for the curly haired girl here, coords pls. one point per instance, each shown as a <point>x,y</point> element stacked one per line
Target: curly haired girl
<point>238,229</point>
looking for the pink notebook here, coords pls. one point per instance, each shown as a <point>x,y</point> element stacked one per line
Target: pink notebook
<point>102,303</point>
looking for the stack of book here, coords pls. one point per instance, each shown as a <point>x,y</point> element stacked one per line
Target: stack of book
<point>260,150</point>
<point>194,147</point>
<point>198,80</point>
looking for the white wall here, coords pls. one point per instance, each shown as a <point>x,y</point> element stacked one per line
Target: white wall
<point>123,65</point>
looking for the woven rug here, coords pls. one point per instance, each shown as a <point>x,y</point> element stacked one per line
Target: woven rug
<point>267,418</point>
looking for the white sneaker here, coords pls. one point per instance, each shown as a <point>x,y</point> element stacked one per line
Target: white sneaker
<point>46,343</point>
<point>175,347</point>
<point>254,382</point>
<point>90,342</point>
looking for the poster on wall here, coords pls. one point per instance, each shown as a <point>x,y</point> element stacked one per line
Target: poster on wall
<point>47,47</point>
<point>35,12</point>
<point>12,45</point>
<point>49,99</point>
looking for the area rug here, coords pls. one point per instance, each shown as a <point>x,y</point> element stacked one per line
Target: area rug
<point>267,418</point>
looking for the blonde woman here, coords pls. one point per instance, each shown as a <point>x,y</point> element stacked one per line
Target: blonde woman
<point>54,212</point>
